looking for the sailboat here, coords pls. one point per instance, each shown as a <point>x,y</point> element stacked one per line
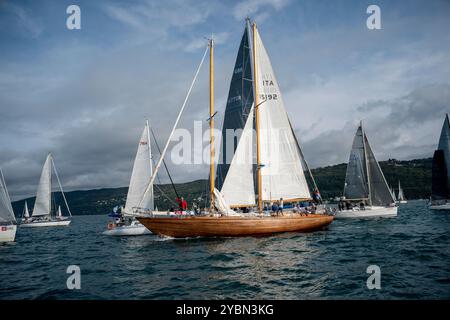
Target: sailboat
<point>26,213</point>
<point>365,184</point>
<point>42,214</point>
<point>393,194</point>
<point>401,196</point>
<point>127,224</point>
<point>8,225</point>
<point>440,171</point>
<point>279,170</point>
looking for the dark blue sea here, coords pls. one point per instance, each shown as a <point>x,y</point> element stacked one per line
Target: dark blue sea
<point>412,251</point>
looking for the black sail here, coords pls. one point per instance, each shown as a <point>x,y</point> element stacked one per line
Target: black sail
<point>239,103</point>
<point>439,186</point>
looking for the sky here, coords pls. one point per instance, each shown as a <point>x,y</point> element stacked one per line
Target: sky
<point>84,95</point>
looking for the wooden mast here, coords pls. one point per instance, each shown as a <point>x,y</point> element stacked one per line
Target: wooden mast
<point>256,98</point>
<point>211,123</point>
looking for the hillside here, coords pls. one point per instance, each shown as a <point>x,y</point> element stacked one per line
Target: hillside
<point>415,176</point>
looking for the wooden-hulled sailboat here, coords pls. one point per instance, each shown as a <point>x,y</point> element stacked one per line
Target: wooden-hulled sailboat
<point>43,215</point>
<point>141,174</point>
<point>279,169</point>
<point>8,226</point>
<point>401,195</point>
<point>440,173</point>
<point>366,192</point>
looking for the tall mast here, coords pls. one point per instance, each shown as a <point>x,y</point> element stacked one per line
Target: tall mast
<point>211,122</point>
<point>367,164</point>
<point>256,97</point>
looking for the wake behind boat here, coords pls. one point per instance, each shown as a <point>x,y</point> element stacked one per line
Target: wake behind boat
<point>440,171</point>
<point>280,167</point>
<point>366,192</point>
<point>43,215</point>
<point>8,225</point>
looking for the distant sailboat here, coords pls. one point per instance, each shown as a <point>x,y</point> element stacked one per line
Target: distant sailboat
<point>140,176</point>
<point>26,213</point>
<point>440,171</point>
<point>365,184</point>
<point>42,211</point>
<point>401,195</point>
<point>8,225</point>
<point>279,169</point>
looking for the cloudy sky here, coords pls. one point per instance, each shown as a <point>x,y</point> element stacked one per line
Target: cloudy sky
<point>85,94</point>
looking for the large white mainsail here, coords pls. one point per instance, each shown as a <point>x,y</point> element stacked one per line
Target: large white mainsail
<point>238,187</point>
<point>42,206</point>
<point>282,171</point>
<point>6,210</point>
<point>142,172</point>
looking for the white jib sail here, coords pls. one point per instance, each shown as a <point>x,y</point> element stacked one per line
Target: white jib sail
<point>42,206</point>
<point>58,213</point>
<point>282,171</point>
<point>140,177</point>
<point>26,212</point>
<point>6,210</point>
<point>238,187</point>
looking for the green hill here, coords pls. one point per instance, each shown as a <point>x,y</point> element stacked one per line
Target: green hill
<point>415,177</point>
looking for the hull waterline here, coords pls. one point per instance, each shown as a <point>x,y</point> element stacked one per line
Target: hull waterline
<point>8,233</point>
<point>441,207</point>
<point>226,226</point>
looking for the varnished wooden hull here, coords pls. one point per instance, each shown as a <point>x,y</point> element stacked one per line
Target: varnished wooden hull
<point>227,226</point>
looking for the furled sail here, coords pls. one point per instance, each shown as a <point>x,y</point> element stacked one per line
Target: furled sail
<point>379,189</point>
<point>356,186</point>
<point>140,177</point>
<point>282,171</point>
<point>42,206</point>
<point>6,210</point>
<point>238,188</point>
<point>239,103</point>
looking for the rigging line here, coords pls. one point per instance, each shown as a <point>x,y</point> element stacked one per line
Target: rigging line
<point>165,195</point>
<point>165,165</point>
<point>149,186</point>
<point>60,187</point>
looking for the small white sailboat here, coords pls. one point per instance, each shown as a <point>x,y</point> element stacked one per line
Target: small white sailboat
<point>401,196</point>
<point>137,200</point>
<point>8,225</point>
<point>365,184</point>
<point>42,211</point>
<point>26,213</point>
<point>440,171</point>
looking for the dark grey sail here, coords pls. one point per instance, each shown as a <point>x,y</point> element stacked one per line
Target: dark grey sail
<point>356,186</point>
<point>239,103</point>
<point>441,165</point>
<point>444,144</point>
<point>439,185</point>
<point>380,195</point>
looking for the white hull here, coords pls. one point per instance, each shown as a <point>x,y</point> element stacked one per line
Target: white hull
<point>445,206</point>
<point>403,201</point>
<point>370,212</point>
<point>53,223</point>
<point>132,230</point>
<point>8,233</point>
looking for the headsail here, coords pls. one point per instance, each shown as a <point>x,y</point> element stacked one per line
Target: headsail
<point>239,103</point>
<point>140,177</point>
<point>238,188</point>
<point>42,206</point>
<point>379,190</point>
<point>282,171</point>
<point>356,186</point>
<point>441,164</point>
<point>6,210</point>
